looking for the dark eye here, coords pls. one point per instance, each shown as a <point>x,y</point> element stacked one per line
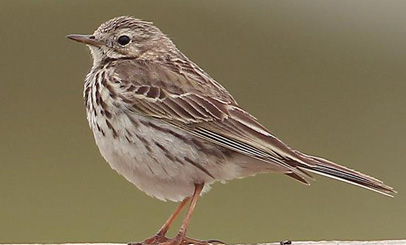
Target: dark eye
<point>123,40</point>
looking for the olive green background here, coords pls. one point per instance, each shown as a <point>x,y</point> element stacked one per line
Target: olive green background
<point>327,77</point>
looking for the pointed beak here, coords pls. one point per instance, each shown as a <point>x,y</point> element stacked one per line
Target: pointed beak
<point>86,39</point>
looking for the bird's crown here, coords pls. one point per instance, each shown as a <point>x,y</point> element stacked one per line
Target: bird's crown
<point>126,37</point>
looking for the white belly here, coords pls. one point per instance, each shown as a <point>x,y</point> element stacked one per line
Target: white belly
<point>135,151</point>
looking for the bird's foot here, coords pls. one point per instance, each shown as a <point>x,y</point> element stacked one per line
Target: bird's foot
<point>162,240</point>
<point>154,240</point>
<point>187,241</point>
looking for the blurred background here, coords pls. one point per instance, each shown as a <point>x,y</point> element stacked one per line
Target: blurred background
<point>327,77</point>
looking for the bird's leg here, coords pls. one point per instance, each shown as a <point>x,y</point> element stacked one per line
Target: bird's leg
<point>164,229</point>
<point>181,238</point>
<point>182,232</point>
<point>159,237</point>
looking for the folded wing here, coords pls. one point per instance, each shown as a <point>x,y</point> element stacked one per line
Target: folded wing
<point>226,124</point>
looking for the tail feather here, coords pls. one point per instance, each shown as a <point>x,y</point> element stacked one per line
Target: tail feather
<point>329,169</point>
<point>298,177</point>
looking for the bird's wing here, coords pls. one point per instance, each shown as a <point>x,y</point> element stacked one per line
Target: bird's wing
<point>226,124</point>
<point>219,122</point>
<point>194,102</point>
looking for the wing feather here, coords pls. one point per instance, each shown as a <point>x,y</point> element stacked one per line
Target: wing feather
<point>217,121</point>
<point>197,104</point>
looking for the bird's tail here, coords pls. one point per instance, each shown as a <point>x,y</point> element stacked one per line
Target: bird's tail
<point>332,170</point>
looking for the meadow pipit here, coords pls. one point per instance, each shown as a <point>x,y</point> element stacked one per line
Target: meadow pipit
<point>172,130</point>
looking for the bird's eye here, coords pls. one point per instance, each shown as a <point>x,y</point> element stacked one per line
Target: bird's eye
<point>123,40</point>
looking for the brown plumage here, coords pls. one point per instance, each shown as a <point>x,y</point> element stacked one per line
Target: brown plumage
<point>172,130</point>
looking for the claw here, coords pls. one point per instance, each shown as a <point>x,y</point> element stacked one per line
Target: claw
<point>161,240</point>
<point>215,241</point>
<point>188,240</point>
<point>176,241</point>
<point>157,239</point>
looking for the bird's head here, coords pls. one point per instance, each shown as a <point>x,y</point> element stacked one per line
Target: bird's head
<point>125,38</point>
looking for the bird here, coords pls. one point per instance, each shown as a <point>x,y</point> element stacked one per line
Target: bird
<point>170,129</point>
